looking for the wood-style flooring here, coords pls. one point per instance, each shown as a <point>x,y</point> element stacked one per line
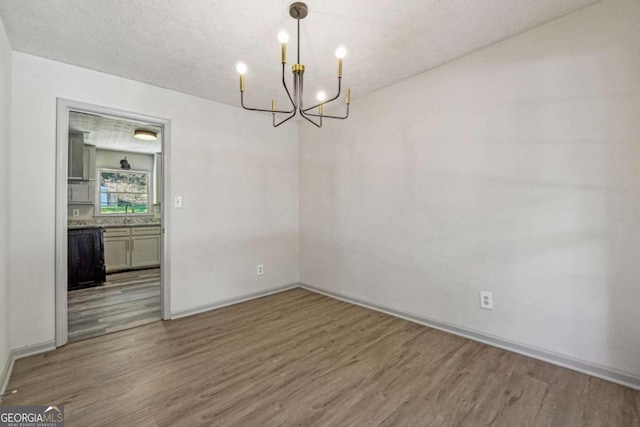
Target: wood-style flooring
<point>298,358</point>
<point>126,300</point>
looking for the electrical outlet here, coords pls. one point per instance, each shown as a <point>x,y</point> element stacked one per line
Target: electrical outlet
<point>260,270</point>
<point>177,202</point>
<point>76,212</point>
<point>486,300</point>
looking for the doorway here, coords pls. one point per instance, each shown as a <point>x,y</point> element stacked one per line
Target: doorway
<point>111,223</point>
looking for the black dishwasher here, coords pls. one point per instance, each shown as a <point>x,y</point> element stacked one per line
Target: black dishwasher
<point>86,258</point>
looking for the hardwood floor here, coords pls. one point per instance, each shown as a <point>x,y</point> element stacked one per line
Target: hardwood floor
<point>298,358</point>
<point>126,300</point>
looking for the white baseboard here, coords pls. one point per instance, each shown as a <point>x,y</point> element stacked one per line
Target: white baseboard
<point>242,298</point>
<point>19,353</point>
<point>589,368</point>
<point>6,373</point>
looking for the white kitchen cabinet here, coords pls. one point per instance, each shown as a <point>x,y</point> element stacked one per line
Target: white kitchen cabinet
<point>76,156</point>
<point>81,192</point>
<point>145,251</point>
<point>116,253</point>
<point>82,185</point>
<point>89,162</point>
<point>131,247</point>
<point>117,248</point>
<point>82,158</point>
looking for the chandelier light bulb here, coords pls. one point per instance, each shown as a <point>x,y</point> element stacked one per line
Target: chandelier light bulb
<point>321,96</point>
<point>283,37</point>
<point>241,68</point>
<point>341,52</point>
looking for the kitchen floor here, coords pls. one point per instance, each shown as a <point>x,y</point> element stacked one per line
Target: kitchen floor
<point>126,300</point>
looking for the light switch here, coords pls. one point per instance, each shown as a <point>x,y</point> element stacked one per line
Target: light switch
<point>177,201</point>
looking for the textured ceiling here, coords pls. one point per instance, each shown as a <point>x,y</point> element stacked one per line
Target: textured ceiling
<point>113,134</point>
<point>192,46</point>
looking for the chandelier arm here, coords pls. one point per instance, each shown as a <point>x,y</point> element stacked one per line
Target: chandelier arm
<point>295,108</point>
<point>284,83</point>
<point>301,100</point>
<point>260,109</point>
<point>300,93</point>
<point>305,116</point>
<point>275,125</point>
<point>328,100</point>
<point>330,117</point>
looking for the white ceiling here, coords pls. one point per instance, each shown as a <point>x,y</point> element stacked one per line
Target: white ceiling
<point>111,133</point>
<point>192,46</point>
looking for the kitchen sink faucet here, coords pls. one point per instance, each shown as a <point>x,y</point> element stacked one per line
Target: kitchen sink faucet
<point>126,212</point>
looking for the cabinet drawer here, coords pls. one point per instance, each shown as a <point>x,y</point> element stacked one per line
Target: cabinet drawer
<point>117,232</point>
<point>145,231</point>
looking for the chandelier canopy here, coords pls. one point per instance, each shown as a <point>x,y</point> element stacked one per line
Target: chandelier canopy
<point>299,11</point>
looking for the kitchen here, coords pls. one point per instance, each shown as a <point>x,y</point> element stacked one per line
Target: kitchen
<point>114,224</point>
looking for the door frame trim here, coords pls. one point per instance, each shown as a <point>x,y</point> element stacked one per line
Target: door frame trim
<point>64,106</point>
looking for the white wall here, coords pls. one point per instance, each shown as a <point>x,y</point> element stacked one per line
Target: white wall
<point>515,169</point>
<point>5,176</point>
<point>237,175</point>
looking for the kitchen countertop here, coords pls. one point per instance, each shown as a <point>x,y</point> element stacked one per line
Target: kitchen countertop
<point>146,224</point>
<point>81,227</point>
<point>78,224</point>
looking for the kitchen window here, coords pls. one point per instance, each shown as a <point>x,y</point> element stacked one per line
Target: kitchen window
<point>123,192</point>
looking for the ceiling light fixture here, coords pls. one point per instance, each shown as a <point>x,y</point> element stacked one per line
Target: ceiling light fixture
<point>298,11</point>
<point>145,135</point>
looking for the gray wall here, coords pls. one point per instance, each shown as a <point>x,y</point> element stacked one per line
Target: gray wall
<point>5,174</point>
<point>515,169</point>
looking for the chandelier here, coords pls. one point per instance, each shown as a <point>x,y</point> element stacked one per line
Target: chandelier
<point>299,11</point>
